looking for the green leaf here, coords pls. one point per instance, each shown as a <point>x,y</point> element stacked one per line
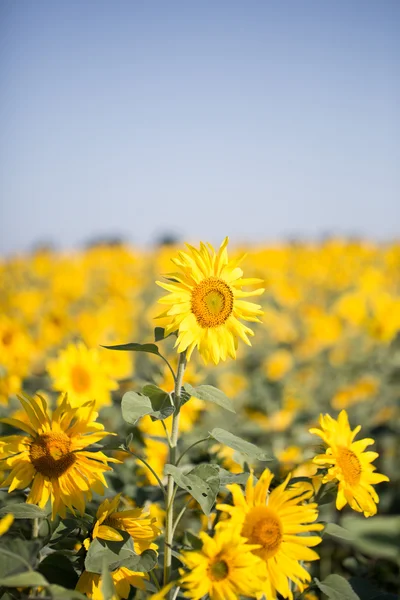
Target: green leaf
<point>236,443</point>
<point>58,569</point>
<point>60,593</point>
<point>202,483</point>
<point>134,406</point>
<point>368,591</point>
<point>23,511</point>
<point>118,554</point>
<point>16,555</point>
<point>159,334</point>
<point>27,579</point>
<point>193,541</point>
<point>134,347</point>
<point>107,584</point>
<point>378,537</point>
<point>210,393</point>
<point>336,531</point>
<point>337,588</point>
<point>226,477</point>
<point>160,401</point>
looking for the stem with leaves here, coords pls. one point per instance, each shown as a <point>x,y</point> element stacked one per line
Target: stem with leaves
<point>172,459</point>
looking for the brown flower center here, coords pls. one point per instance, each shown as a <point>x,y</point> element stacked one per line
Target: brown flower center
<point>349,465</point>
<point>218,570</point>
<point>262,526</point>
<point>50,454</point>
<point>80,379</point>
<point>212,302</point>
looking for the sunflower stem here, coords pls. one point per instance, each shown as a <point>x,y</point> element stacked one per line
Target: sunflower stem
<point>170,482</point>
<point>35,528</point>
<point>190,447</point>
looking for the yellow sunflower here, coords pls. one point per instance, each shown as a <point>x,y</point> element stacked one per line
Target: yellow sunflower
<point>51,457</point>
<point>110,522</point>
<point>274,520</point>
<point>205,303</point>
<point>80,370</point>
<point>140,526</point>
<point>349,464</point>
<point>5,523</point>
<point>223,569</point>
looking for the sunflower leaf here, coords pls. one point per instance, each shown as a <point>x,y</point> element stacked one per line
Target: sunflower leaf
<point>23,511</point>
<point>337,588</point>
<point>160,401</point>
<point>210,393</point>
<point>61,593</point>
<point>236,443</point>
<point>202,483</point>
<point>134,347</point>
<point>22,580</point>
<point>336,531</point>
<point>134,406</point>
<point>118,554</point>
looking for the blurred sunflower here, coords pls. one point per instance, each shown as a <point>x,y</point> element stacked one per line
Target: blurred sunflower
<point>205,303</point>
<point>349,464</point>
<point>80,370</point>
<point>223,569</point>
<point>51,456</point>
<point>274,520</point>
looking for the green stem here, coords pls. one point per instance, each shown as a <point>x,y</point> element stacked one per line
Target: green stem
<point>190,447</point>
<point>169,366</point>
<point>179,517</point>
<point>155,580</point>
<point>172,460</point>
<point>150,469</point>
<point>35,528</point>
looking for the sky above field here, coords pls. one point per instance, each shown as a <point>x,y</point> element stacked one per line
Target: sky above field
<point>262,120</point>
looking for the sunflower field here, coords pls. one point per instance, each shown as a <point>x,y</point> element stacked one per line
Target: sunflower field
<point>191,422</point>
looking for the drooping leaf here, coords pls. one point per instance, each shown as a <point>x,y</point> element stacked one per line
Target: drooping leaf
<point>337,588</point>
<point>236,443</point>
<point>118,554</point>
<point>23,511</point>
<point>159,334</point>
<point>336,531</point>
<point>160,401</point>
<point>192,540</point>
<point>227,477</point>
<point>378,537</point>
<point>210,393</point>
<point>134,347</point>
<point>23,580</point>
<point>134,406</point>
<point>202,483</point>
<point>58,569</point>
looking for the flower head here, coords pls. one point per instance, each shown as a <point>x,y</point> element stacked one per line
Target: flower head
<point>349,464</point>
<point>225,567</point>
<point>140,526</point>
<point>273,521</point>
<point>50,456</point>
<point>80,370</point>
<point>205,303</point>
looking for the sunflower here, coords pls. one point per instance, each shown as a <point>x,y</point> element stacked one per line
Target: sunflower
<point>224,568</point>
<point>349,464</point>
<point>109,524</point>
<point>205,303</point>
<point>5,523</point>
<point>273,520</point>
<point>140,526</point>
<point>80,370</point>
<point>51,458</point>
<point>90,584</point>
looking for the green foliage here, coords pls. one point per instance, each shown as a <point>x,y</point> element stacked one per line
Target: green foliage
<point>336,587</point>
<point>22,580</point>
<point>378,536</point>
<point>210,393</point>
<point>202,483</point>
<point>240,445</point>
<point>23,511</point>
<point>118,554</point>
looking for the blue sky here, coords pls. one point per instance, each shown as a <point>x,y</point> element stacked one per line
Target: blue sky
<point>259,119</point>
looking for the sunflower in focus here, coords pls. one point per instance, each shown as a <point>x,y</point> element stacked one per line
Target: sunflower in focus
<point>349,464</point>
<point>224,568</point>
<point>205,303</point>
<point>80,370</point>
<point>273,521</point>
<point>140,526</point>
<point>109,524</point>
<point>50,456</point>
